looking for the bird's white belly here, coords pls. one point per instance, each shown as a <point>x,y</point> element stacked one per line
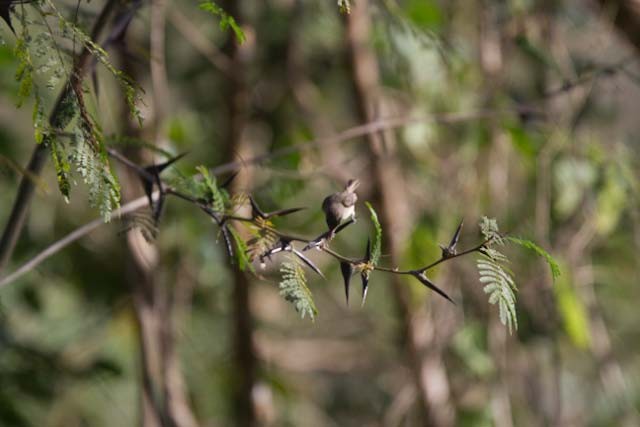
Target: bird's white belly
<point>348,213</point>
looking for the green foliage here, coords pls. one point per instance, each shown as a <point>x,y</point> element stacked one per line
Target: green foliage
<point>24,72</point>
<point>61,166</point>
<point>489,229</point>
<point>500,287</point>
<point>242,250</point>
<point>424,14</point>
<point>573,312</point>
<point>294,289</point>
<point>377,241</point>
<point>104,190</point>
<point>496,277</point>
<point>40,123</point>
<point>612,200</point>
<point>264,237</point>
<point>226,21</point>
<point>128,85</point>
<point>215,196</point>
<point>528,244</point>
<point>344,6</point>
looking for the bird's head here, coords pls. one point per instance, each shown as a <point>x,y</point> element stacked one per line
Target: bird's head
<point>352,185</point>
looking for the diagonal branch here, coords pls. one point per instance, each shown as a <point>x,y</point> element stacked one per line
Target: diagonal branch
<point>78,233</point>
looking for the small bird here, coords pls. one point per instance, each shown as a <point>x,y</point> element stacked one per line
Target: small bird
<point>341,206</point>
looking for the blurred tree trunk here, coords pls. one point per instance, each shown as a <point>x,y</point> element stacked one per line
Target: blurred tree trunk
<point>625,15</point>
<point>431,378</point>
<point>157,307</point>
<point>244,351</point>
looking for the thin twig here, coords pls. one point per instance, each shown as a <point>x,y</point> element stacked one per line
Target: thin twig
<point>200,42</point>
<point>374,126</point>
<point>70,238</point>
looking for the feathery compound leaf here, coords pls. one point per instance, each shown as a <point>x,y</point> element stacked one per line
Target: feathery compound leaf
<point>226,20</point>
<point>242,251</point>
<point>40,122</point>
<point>528,244</point>
<point>496,277</point>
<point>489,228</point>
<point>264,238</point>
<point>61,166</point>
<point>24,72</point>
<point>501,288</point>
<point>104,190</point>
<point>128,85</point>
<point>294,289</point>
<point>212,192</point>
<point>377,242</point>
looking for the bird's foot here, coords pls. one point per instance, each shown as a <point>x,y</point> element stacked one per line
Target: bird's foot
<point>320,241</point>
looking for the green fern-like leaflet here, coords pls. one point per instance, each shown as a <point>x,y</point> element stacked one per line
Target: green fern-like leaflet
<point>496,277</point>
<point>294,289</point>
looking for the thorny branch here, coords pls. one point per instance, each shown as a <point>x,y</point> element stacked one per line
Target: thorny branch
<point>148,177</point>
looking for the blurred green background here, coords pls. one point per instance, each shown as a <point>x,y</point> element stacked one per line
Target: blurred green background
<point>545,141</point>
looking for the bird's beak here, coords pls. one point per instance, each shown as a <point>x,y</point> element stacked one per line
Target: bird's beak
<point>352,185</point>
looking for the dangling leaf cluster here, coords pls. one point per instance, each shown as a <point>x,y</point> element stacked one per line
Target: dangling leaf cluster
<point>104,190</point>
<point>85,146</point>
<point>293,287</point>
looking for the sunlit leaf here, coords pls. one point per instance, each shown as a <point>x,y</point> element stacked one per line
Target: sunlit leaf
<point>528,244</point>
<point>377,241</point>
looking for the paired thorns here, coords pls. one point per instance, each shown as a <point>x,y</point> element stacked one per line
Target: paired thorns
<point>450,251</point>
<point>150,178</point>
<point>256,212</point>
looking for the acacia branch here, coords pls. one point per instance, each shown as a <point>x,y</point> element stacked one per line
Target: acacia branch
<point>344,136</point>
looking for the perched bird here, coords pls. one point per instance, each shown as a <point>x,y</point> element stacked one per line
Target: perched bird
<point>341,206</point>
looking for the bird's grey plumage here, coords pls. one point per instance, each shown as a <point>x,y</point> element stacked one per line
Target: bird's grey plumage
<point>340,206</point>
